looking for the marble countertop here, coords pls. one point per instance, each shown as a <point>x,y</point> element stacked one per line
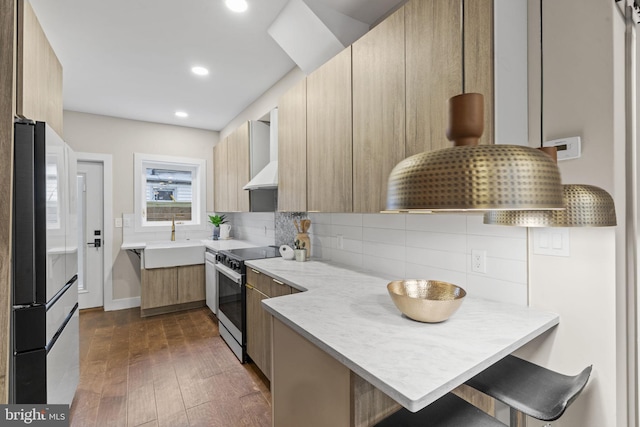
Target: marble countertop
<point>350,315</point>
<point>216,245</point>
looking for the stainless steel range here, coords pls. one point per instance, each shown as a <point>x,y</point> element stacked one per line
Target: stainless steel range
<point>231,272</point>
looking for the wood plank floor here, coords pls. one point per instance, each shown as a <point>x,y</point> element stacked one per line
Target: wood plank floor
<point>169,370</point>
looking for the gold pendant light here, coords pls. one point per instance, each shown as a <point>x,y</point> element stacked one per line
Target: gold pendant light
<point>586,206</point>
<point>470,177</point>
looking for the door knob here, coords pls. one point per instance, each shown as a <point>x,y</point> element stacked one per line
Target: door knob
<point>96,243</point>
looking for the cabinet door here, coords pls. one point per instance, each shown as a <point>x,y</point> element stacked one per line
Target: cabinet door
<point>378,111</point>
<point>159,287</point>
<point>292,149</point>
<point>260,281</point>
<point>191,284</point>
<point>258,331</point>
<point>237,169</point>
<point>478,58</point>
<point>220,181</point>
<point>329,134</point>
<point>39,73</point>
<point>434,70</point>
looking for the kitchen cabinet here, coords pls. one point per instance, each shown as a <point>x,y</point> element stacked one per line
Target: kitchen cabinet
<point>329,136</point>
<point>434,70</point>
<point>259,287</point>
<point>478,58</point>
<point>39,72</point>
<point>231,171</point>
<point>378,111</point>
<point>292,149</point>
<point>171,289</point>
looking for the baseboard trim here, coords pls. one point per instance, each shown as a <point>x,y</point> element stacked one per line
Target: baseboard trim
<point>122,304</point>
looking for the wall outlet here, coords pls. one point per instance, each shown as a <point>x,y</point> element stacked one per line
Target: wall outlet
<point>118,222</point>
<point>340,241</point>
<point>127,222</point>
<point>478,261</point>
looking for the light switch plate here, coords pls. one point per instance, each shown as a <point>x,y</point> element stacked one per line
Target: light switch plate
<point>552,241</point>
<point>568,148</point>
<point>118,222</point>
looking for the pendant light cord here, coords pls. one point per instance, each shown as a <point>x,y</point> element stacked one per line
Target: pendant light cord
<point>463,53</point>
<point>541,81</point>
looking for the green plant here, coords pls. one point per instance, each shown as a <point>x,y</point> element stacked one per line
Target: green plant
<point>216,220</point>
<point>299,245</point>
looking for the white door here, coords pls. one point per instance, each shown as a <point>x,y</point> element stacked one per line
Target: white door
<point>91,235</point>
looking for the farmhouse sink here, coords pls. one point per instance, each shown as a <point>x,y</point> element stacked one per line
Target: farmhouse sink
<point>170,254</point>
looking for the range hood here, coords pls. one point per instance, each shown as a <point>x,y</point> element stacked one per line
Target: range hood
<point>267,178</point>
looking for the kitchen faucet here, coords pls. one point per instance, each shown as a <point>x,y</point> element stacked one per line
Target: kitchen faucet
<point>173,229</point>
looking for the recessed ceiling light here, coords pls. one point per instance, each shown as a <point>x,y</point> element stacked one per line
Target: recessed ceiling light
<point>201,71</point>
<point>237,5</point>
<point>181,114</point>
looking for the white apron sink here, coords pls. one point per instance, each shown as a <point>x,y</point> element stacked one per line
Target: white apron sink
<point>171,254</point>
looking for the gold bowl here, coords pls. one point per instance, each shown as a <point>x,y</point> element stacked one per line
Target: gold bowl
<point>429,301</point>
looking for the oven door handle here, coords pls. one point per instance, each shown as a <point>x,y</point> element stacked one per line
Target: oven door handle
<point>229,273</point>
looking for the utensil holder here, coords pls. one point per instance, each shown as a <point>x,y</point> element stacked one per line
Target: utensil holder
<point>301,254</point>
<point>304,238</point>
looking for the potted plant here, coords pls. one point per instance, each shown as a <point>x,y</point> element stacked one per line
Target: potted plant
<point>216,220</point>
<point>300,250</point>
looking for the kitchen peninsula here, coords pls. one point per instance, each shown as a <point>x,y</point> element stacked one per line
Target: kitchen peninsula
<point>342,350</point>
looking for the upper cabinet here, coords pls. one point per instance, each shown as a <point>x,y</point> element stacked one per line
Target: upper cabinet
<point>378,111</point>
<point>231,172</point>
<point>292,149</point>
<point>434,70</point>
<point>39,73</point>
<point>329,136</point>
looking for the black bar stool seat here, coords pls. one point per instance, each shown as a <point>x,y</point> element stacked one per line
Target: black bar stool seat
<point>448,411</point>
<point>531,389</point>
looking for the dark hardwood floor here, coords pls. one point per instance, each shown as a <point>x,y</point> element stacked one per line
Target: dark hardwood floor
<point>168,370</point>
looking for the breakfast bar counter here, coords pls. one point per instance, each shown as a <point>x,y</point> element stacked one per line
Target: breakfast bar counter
<point>350,316</point>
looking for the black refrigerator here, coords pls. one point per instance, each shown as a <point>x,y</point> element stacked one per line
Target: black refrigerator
<point>44,366</point>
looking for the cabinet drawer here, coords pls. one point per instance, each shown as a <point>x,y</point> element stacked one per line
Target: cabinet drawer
<point>278,288</point>
<point>260,281</point>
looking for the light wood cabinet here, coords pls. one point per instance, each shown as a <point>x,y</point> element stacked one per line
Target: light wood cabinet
<point>39,73</point>
<point>329,136</point>
<point>292,149</point>
<point>261,286</point>
<point>220,181</point>
<point>165,290</point>
<point>478,58</point>
<point>378,111</point>
<point>231,171</point>
<point>433,70</point>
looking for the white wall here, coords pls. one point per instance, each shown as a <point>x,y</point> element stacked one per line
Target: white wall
<point>582,39</point>
<point>121,138</point>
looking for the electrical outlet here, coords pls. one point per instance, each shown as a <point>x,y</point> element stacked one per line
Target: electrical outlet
<point>340,241</point>
<point>118,222</point>
<point>127,222</point>
<point>478,261</point>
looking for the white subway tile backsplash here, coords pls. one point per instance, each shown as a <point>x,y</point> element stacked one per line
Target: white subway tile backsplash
<point>391,221</point>
<point>476,226</point>
<point>384,250</point>
<point>320,229</point>
<point>347,232</point>
<point>415,271</point>
<point>352,220</point>
<point>351,259</point>
<point>384,235</point>
<point>455,261</point>
<point>499,247</point>
<point>438,241</point>
<point>441,223</point>
<point>385,267</point>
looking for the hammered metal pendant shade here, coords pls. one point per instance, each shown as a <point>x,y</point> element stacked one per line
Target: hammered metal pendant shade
<point>586,206</point>
<point>474,177</point>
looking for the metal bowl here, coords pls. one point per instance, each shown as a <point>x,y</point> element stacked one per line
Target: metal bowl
<point>429,301</point>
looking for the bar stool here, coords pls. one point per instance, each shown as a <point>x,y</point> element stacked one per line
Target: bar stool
<point>448,411</point>
<point>529,389</point>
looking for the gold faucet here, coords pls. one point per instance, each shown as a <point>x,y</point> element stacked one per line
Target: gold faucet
<point>173,229</point>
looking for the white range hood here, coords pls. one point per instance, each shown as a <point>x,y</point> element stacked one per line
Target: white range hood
<point>267,178</point>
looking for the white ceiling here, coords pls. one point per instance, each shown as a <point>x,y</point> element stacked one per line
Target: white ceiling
<point>133,58</point>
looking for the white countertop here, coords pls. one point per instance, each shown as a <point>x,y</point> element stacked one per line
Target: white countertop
<point>216,245</point>
<point>350,315</point>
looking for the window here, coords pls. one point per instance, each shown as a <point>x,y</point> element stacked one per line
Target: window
<point>169,188</point>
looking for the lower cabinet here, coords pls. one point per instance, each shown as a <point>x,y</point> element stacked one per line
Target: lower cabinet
<point>259,287</point>
<point>171,289</point>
